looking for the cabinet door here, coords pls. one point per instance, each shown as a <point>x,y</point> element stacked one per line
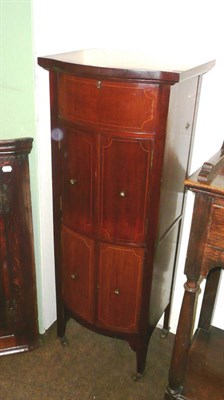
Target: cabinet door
<point>125,180</point>
<point>120,284</point>
<point>78,274</point>
<point>78,180</point>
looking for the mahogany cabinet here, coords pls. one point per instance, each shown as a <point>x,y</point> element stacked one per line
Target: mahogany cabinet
<point>18,303</point>
<point>121,139</point>
<point>197,366</point>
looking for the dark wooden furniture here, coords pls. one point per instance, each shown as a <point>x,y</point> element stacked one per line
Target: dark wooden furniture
<point>121,138</point>
<point>197,366</point>
<point>18,305</point>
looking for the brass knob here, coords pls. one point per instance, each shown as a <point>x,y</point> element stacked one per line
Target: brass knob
<point>73,181</point>
<point>122,193</point>
<point>117,291</point>
<point>99,84</point>
<point>74,275</point>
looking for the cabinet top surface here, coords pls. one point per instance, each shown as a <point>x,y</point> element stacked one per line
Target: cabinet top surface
<point>15,146</point>
<point>120,63</point>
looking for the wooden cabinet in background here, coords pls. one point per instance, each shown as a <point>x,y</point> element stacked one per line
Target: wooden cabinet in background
<point>196,370</point>
<point>18,303</point>
<point>121,140</point>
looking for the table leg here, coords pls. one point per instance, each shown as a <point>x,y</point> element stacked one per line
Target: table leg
<point>182,340</point>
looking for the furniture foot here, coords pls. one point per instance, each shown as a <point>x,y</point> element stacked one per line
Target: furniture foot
<point>64,341</point>
<point>61,322</point>
<point>164,333</point>
<point>139,344</point>
<point>141,354</point>
<point>166,321</point>
<point>136,377</point>
<point>172,394</point>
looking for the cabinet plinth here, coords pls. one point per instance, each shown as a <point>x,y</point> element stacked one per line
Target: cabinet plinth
<point>121,140</point>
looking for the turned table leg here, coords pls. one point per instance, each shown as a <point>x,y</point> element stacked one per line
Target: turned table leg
<point>182,340</point>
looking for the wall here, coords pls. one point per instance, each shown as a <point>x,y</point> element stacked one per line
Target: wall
<point>176,29</point>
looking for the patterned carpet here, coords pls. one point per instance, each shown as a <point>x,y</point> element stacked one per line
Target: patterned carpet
<point>91,367</point>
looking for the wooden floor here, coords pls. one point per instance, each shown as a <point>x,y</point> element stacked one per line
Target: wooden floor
<point>91,367</point>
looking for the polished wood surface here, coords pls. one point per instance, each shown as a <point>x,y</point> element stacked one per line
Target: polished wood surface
<point>196,370</point>
<point>18,303</point>
<point>122,64</point>
<point>120,283</point>
<point>121,140</point>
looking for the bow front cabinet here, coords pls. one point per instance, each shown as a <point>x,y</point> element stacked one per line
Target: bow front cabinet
<point>121,139</point>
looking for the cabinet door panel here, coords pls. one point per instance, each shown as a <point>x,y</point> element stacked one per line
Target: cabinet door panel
<point>120,284</point>
<point>78,180</point>
<point>78,274</point>
<point>124,188</point>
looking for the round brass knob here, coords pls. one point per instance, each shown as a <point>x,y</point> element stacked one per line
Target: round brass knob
<point>74,275</point>
<point>73,181</point>
<point>122,193</point>
<point>117,291</point>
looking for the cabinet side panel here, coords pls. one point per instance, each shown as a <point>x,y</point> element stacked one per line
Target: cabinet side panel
<point>180,127</point>
<point>164,261</point>
<point>180,130</point>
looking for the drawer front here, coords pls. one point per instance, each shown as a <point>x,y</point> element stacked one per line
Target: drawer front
<point>216,232</point>
<point>78,180</point>
<point>78,99</point>
<point>78,274</point>
<point>120,286</point>
<point>110,104</point>
<point>126,167</point>
<point>127,106</point>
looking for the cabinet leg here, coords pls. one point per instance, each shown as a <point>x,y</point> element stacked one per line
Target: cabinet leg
<point>141,355</point>
<point>61,322</point>
<point>140,346</point>
<point>61,328</point>
<point>166,327</point>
